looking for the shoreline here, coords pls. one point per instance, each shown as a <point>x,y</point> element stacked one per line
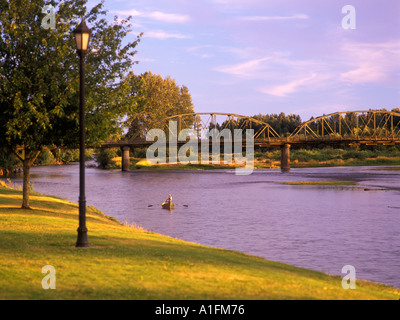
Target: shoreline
<point>263,164</point>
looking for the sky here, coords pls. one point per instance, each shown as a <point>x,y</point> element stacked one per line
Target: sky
<point>270,56</point>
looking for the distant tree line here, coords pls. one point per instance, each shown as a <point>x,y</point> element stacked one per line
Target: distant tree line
<point>283,124</point>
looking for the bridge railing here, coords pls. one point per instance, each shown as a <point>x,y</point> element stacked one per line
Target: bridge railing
<point>372,124</point>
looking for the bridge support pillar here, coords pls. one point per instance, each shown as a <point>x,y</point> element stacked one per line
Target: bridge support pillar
<point>125,158</point>
<point>285,158</point>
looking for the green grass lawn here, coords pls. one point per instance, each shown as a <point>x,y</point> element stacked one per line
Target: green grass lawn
<point>125,262</point>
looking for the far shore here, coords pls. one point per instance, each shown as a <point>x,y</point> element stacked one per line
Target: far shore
<point>142,164</point>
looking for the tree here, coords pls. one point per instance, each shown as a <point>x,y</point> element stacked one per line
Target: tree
<point>282,124</point>
<point>39,78</point>
<point>8,161</point>
<point>156,99</point>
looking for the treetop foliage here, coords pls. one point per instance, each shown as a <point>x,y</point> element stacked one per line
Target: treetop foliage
<point>157,98</point>
<point>39,73</point>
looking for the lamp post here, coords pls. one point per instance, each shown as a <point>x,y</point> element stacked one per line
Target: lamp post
<point>82,35</point>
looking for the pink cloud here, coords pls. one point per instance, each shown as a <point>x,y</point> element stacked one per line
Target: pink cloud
<point>163,35</point>
<point>248,69</point>
<point>289,87</point>
<point>371,63</point>
<point>155,15</point>
<point>271,18</point>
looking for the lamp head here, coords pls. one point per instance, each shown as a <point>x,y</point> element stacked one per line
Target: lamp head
<point>82,36</point>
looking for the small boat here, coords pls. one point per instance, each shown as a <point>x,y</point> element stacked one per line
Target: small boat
<point>168,205</point>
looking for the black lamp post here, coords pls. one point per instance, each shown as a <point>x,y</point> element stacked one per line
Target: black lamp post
<point>82,35</point>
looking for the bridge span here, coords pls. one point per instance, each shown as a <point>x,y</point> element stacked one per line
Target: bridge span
<point>369,127</point>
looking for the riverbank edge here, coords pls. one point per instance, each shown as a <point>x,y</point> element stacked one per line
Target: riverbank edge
<point>378,161</point>
<point>192,270</point>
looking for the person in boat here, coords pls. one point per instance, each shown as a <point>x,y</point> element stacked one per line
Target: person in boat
<point>169,199</point>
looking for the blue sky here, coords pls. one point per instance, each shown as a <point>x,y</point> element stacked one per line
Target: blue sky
<point>253,56</point>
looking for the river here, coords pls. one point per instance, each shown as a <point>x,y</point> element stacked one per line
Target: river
<point>318,227</point>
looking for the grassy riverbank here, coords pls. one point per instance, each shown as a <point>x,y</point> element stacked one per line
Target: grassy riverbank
<point>299,157</point>
<point>333,157</point>
<point>263,164</point>
<point>126,262</point>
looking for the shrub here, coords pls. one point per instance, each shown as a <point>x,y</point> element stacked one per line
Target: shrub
<point>139,153</point>
<point>104,157</point>
<point>45,158</point>
<point>273,155</point>
<point>67,155</point>
<point>8,160</point>
<point>350,154</point>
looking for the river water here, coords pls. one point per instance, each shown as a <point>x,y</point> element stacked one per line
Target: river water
<point>318,227</point>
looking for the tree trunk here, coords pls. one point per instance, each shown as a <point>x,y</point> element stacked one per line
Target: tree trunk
<point>26,189</point>
<point>28,160</point>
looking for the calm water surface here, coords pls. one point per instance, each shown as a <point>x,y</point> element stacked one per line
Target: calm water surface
<point>318,227</point>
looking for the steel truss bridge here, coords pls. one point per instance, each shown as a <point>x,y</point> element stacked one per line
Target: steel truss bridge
<point>369,127</point>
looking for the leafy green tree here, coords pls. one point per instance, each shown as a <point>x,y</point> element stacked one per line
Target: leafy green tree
<point>39,78</point>
<point>45,157</point>
<point>281,123</point>
<point>157,98</point>
<point>104,157</point>
<point>8,161</point>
